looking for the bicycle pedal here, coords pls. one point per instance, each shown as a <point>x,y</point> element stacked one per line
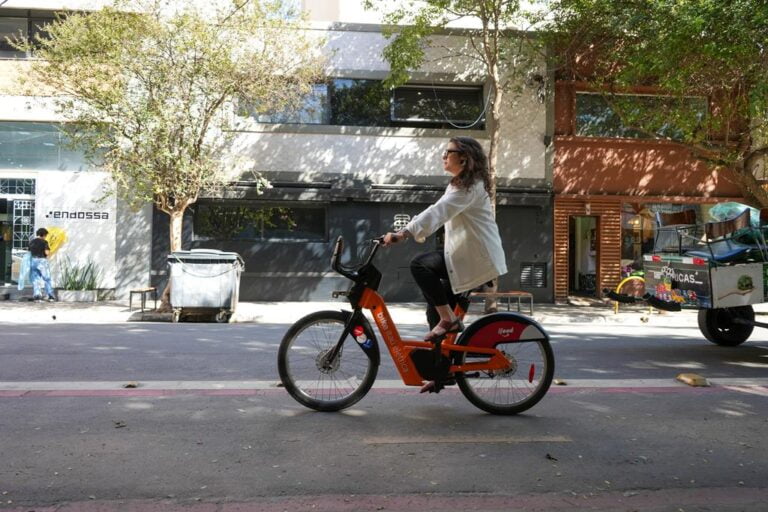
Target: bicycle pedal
<point>431,387</point>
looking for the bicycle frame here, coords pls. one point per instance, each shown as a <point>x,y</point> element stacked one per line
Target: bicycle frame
<point>363,295</point>
<point>401,349</point>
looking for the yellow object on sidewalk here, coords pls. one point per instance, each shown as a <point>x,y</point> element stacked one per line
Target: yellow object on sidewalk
<point>693,379</point>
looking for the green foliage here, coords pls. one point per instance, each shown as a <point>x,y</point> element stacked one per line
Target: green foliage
<point>709,49</point>
<point>150,86</point>
<point>499,41</point>
<point>79,277</point>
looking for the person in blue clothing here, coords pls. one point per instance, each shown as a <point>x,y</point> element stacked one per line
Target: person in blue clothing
<point>39,271</point>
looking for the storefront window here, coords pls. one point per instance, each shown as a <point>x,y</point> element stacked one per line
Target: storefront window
<point>230,222</point>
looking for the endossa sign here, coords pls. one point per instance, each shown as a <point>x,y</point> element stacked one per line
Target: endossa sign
<point>77,215</point>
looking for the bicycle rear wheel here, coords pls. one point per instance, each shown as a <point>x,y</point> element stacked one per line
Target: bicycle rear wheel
<point>511,391</point>
<point>314,380</point>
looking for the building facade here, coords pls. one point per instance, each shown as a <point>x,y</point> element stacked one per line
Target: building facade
<point>360,160</point>
<point>356,161</point>
<point>609,183</point>
<point>46,183</point>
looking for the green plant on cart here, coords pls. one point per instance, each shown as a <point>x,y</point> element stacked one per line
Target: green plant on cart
<point>76,276</point>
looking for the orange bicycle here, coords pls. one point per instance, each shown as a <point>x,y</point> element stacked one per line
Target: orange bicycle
<point>328,360</point>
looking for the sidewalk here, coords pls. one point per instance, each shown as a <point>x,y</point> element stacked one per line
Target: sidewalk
<point>288,312</point>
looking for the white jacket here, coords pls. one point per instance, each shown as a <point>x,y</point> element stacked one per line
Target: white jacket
<point>473,252</point>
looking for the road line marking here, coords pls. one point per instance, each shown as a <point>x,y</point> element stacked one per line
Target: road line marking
<point>465,439</point>
<point>251,387</point>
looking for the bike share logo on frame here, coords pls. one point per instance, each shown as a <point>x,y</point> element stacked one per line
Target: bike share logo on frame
<point>398,355</point>
<point>77,215</point>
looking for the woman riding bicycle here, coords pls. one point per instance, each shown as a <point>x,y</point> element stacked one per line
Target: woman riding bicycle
<point>473,254</point>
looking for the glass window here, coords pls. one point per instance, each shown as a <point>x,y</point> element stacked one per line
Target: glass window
<point>37,146</point>
<point>17,186</point>
<point>18,24</point>
<point>313,110</point>
<point>23,213</point>
<point>357,102</point>
<point>595,117</point>
<point>457,107</point>
<point>214,221</point>
<point>363,102</point>
<point>11,28</point>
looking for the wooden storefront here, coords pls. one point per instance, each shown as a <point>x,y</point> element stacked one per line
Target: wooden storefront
<point>607,212</point>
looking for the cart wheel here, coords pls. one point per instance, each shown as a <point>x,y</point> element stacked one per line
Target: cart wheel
<point>222,317</point>
<point>717,325</point>
<point>176,316</point>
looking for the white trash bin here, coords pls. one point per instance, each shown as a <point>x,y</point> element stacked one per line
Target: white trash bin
<point>205,281</point>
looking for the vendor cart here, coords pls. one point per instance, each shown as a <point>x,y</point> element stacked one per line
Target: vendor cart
<point>719,268</point>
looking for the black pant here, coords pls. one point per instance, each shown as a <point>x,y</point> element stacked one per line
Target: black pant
<point>430,273</point>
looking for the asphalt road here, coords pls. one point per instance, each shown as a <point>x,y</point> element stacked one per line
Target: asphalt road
<point>208,429</point>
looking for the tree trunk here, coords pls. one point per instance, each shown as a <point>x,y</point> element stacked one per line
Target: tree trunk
<point>491,304</point>
<point>177,216</point>
<point>175,230</point>
<point>495,136</point>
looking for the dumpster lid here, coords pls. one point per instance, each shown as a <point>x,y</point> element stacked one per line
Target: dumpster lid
<point>204,256</point>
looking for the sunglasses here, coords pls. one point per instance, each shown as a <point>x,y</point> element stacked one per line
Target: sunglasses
<point>449,151</point>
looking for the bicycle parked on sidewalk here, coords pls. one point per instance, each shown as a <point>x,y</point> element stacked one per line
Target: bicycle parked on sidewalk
<point>502,363</point>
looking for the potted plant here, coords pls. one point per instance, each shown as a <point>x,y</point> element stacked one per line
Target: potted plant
<point>79,282</point>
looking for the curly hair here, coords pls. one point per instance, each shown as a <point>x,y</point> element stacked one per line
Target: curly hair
<point>475,164</point>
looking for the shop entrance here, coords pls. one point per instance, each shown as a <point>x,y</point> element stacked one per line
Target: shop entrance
<point>582,256</point>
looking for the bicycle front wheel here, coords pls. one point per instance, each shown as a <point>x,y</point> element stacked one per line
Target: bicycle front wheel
<point>316,379</point>
<point>511,391</point>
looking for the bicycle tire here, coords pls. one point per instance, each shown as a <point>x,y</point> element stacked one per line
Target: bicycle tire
<point>532,358</point>
<point>317,383</point>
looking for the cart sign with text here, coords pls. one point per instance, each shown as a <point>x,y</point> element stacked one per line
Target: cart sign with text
<point>680,281</point>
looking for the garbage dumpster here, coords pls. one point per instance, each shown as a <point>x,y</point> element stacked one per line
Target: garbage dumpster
<point>204,281</point>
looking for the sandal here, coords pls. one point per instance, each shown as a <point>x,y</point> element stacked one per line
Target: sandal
<point>444,328</point>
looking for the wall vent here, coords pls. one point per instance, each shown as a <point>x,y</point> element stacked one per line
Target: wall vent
<point>533,275</point>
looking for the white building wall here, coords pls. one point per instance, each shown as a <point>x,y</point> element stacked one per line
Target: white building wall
<point>387,155</point>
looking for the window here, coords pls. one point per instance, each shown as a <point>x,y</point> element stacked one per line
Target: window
<point>23,214</point>
<point>21,23</point>
<point>313,110</point>
<point>458,107</point>
<point>363,102</point>
<point>242,222</point>
<point>17,186</point>
<point>20,196</point>
<point>357,102</point>
<point>595,117</point>
<point>533,275</point>
<point>37,146</point>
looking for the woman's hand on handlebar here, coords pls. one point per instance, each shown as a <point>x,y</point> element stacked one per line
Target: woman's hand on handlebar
<point>393,238</point>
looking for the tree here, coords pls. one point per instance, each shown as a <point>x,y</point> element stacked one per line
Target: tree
<point>508,57</point>
<point>151,88</point>
<point>684,49</point>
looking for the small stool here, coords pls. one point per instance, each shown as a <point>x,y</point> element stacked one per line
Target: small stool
<point>508,296</point>
<point>142,292</point>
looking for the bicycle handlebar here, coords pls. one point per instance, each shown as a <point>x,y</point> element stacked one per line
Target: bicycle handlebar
<point>352,273</point>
